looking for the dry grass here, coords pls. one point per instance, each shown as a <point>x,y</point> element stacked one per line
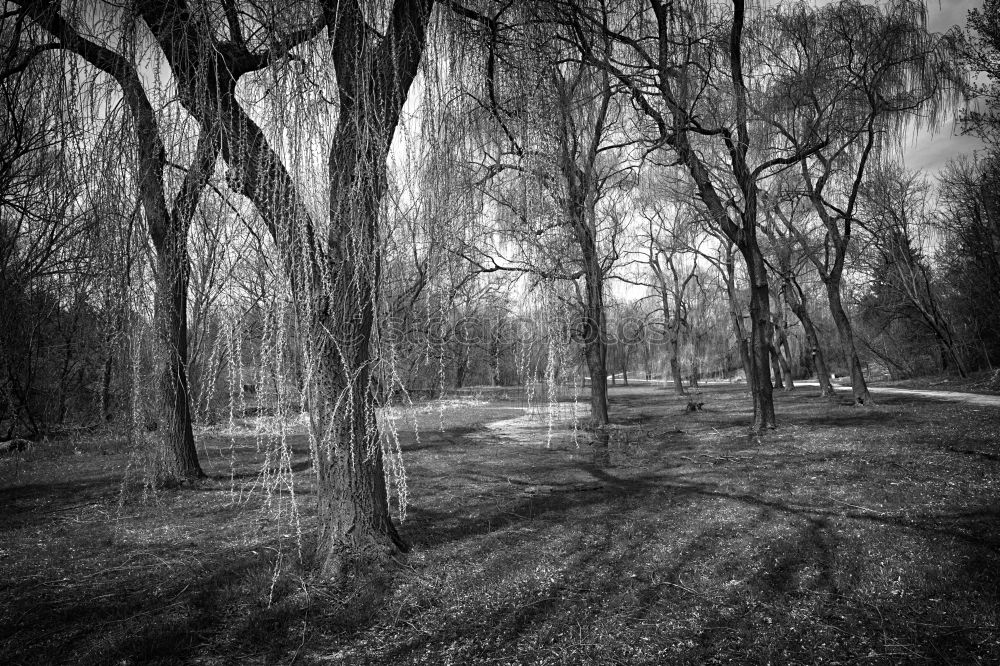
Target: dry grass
<point>847,536</point>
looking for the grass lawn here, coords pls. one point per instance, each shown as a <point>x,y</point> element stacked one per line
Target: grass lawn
<point>849,535</point>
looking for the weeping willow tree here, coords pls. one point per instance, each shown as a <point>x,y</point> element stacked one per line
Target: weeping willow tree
<point>167,217</point>
<point>553,165</point>
<point>859,76</point>
<point>282,93</point>
<point>332,262</point>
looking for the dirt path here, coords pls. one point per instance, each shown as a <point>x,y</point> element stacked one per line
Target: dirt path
<point>950,396</point>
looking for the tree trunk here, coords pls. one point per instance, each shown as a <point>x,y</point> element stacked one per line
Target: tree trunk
<point>173,407</point>
<point>462,365</point>
<point>797,302</point>
<point>736,318</point>
<point>858,386</point>
<point>675,367</point>
<point>776,369</point>
<point>785,359</point>
<point>595,347</point>
<point>675,346</point>
<point>760,313</point>
<point>818,358</point>
<point>357,529</point>
<point>106,387</point>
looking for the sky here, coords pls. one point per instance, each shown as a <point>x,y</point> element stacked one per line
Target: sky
<point>930,152</point>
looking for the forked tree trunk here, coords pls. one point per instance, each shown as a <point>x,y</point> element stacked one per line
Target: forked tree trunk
<point>797,302</point>
<point>858,385</point>
<point>816,351</point>
<point>781,359</point>
<point>776,369</point>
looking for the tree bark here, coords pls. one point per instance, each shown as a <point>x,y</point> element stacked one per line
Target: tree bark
<point>797,303</point>
<point>760,312</point>
<point>846,333</point>
<point>675,366</point>
<point>173,407</point>
<point>776,370</point>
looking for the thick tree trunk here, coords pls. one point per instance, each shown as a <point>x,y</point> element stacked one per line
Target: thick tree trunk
<point>760,313</point>
<point>595,350</point>
<point>594,341</point>
<point>858,385</point>
<point>173,406</point>
<point>581,217</point>
<point>356,528</point>
<point>596,366</point>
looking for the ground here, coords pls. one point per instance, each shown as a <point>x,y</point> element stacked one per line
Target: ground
<point>976,382</point>
<point>848,535</point>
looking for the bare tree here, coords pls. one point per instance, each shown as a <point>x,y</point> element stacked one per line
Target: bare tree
<point>870,72</point>
<point>666,57</point>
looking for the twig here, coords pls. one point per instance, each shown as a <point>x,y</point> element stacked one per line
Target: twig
<point>863,508</point>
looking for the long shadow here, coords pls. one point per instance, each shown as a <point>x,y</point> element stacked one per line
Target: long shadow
<point>25,504</point>
<point>165,618</point>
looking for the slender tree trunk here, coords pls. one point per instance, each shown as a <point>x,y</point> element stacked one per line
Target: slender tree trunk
<point>106,387</point>
<point>780,361</point>
<point>776,369</point>
<point>785,358</point>
<point>858,385</point>
<point>797,303</point>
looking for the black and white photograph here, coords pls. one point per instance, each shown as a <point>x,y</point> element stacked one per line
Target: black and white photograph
<point>459,332</point>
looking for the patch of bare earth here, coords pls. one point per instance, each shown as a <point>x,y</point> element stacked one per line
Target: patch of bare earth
<point>846,536</point>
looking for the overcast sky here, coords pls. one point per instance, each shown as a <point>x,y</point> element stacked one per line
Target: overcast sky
<point>931,152</point>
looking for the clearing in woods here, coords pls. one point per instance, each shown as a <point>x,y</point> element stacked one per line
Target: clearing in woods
<point>847,535</point>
